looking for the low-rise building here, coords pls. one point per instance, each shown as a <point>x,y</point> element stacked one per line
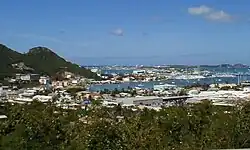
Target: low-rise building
<point>139,71</point>
<point>28,77</point>
<point>127,79</point>
<point>44,80</point>
<point>42,98</point>
<point>20,100</point>
<point>143,100</point>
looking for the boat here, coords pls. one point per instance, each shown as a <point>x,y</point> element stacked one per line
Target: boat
<point>161,87</point>
<point>187,77</point>
<point>137,88</point>
<point>223,76</point>
<point>140,85</point>
<point>246,83</point>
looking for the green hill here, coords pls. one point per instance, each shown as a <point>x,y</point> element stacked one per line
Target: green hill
<point>38,60</point>
<point>8,57</point>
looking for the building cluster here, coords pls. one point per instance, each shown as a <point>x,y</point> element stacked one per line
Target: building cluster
<point>25,88</point>
<point>158,73</point>
<point>220,94</point>
<point>70,91</point>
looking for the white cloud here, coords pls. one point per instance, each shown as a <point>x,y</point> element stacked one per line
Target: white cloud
<point>219,16</point>
<point>117,32</point>
<point>201,10</point>
<point>210,13</point>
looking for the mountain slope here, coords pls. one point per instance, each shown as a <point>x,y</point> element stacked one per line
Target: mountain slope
<point>8,57</point>
<point>42,60</point>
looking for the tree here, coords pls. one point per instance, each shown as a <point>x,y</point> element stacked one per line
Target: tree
<point>197,126</point>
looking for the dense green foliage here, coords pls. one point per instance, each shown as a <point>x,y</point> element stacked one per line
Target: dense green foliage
<point>41,59</point>
<point>7,57</point>
<point>203,126</point>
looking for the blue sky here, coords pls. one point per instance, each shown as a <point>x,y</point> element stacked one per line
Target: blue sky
<point>131,31</point>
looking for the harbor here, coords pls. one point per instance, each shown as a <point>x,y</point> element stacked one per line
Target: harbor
<point>174,76</point>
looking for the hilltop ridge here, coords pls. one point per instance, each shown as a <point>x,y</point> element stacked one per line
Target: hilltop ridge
<point>40,60</point>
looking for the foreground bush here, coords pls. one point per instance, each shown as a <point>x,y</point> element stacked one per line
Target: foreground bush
<point>202,126</point>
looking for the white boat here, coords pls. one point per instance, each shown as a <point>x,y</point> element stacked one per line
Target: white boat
<point>140,85</point>
<point>187,77</point>
<point>223,76</point>
<point>137,88</point>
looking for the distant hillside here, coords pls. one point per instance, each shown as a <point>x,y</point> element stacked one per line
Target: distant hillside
<point>38,60</point>
<point>225,66</point>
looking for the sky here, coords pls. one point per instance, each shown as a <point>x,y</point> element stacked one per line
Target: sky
<point>129,32</point>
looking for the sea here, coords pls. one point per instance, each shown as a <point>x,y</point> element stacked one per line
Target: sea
<point>243,72</point>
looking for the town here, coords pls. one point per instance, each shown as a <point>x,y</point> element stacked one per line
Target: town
<point>71,91</point>
<point>124,75</point>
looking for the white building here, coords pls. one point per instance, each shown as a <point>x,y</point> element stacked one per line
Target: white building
<point>28,93</point>
<point>3,117</point>
<point>193,92</point>
<point>25,77</point>
<point>74,81</point>
<point>221,95</point>
<point>1,91</point>
<point>139,71</point>
<point>42,98</point>
<point>109,104</point>
<point>94,70</point>
<point>127,79</point>
<point>68,76</point>
<point>20,100</point>
<point>163,87</point>
<point>246,89</point>
<point>44,80</point>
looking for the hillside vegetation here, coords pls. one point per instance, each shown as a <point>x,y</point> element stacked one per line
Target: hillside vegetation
<point>41,59</point>
<point>203,126</point>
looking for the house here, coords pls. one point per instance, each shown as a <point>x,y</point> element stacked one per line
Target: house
<point>127,79</point>
<point>25,77</point>
<point>44,80</point>
<point>28,77</point>
<point>74,82</point>
<point>3,117</point>
<point>68,75</point>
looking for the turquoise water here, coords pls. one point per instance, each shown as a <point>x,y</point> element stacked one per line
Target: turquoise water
<point>149,85</point>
